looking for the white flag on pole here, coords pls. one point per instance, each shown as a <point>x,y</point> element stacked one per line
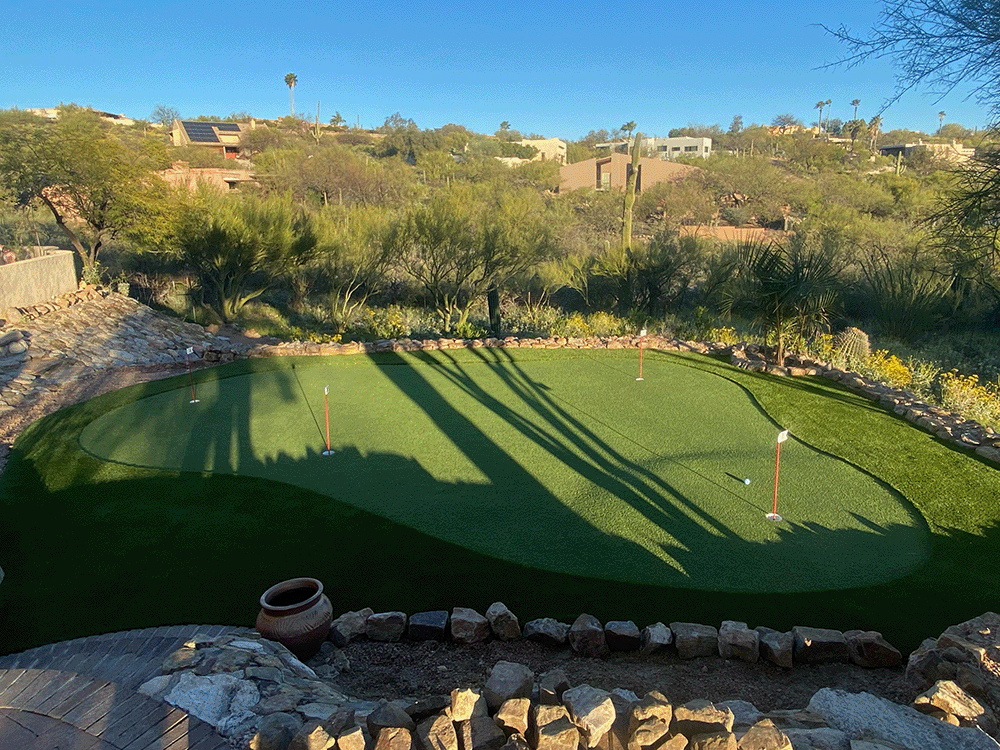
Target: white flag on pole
<point>783,436</point>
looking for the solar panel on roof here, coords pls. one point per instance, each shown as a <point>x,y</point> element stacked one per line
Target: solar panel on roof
<point>200,132</point>
<point>228,126</point>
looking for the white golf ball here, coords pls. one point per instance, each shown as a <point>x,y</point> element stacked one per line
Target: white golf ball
<point>746,481</point>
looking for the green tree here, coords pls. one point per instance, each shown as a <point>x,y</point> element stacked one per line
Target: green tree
<point>241,245</point>
<point>466,241</point>
<point>291,80</point>
<point>628,127</point>
<point>163,115</point>
<point>819,106</point>
<point>97,180</point>
<point>855,103</point>
<point>941,115</point>
<point>354,252</point>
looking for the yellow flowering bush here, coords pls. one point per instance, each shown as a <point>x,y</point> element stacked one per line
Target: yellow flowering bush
<point>889,369</point>
<point>723,335</point>
<point>965,395</point>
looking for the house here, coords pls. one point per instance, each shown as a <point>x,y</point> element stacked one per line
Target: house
<point>182,174</point>
<point>549,149</point>
<point>611,172</point>
<point>224,137</point>
<point>953,152</point>
<point>665,148</point>
<point>671,148</point>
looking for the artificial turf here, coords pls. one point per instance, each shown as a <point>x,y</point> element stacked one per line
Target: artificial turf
<point>550,480</point>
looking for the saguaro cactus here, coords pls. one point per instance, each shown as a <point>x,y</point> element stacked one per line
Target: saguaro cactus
<point>630,195</point>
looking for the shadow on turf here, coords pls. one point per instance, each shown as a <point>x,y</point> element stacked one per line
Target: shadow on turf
<point>165,548</point>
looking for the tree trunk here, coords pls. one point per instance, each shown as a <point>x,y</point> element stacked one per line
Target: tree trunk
<point>493,302</point>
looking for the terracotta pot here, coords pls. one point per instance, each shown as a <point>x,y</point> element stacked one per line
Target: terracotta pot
<point>296,614</point>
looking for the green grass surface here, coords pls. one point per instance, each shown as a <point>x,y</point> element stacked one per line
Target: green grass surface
<point>550,480</point>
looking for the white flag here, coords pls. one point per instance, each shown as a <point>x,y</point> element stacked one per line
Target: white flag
<point>783,436</point>
<point>326,391</point>
<point>190,350</point>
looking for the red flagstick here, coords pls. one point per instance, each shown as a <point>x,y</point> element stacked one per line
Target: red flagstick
<point>187,358</point>
<point>642,335</point>
<point>326,409</point>
<point>773,515</point>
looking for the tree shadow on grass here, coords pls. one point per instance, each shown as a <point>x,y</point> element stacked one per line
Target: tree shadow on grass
<point>157,547</point>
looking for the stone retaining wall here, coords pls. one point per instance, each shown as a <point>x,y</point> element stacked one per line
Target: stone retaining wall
<point>260,696</point>
<point>28,282</point>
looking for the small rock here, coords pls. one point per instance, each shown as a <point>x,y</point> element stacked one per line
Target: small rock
<point>622,635</point>
<point>507,680</point>
<point>586,637</point>
<point>693,640</point>
<point>468,626</point>
<point>428,626</point>
<point>503,622</point>
<point>547,630</point>
<point>275,732</point>
<point>386,626</point>
<point>655,637</point>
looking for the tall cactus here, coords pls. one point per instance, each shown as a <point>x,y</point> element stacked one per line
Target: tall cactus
<point>851,346</point>
<point>630,196</point>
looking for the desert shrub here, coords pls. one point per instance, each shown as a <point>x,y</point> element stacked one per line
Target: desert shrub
<point>888,368</point>
<point>965,395</point>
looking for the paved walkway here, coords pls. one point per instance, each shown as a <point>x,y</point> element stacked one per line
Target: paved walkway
<point>81,695</point>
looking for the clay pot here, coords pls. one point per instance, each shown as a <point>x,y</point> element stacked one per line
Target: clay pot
<point>296,614</point>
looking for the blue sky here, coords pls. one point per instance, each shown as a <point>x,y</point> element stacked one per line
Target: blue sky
<point>554,68</point>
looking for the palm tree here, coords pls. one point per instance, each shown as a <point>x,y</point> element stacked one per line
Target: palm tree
<point>828,110</point>
<point>819,106</point>
<point>941,115</point>
<point>290,80</point>
<point>628,127</point>
<point>855,103</point>
<point>874,129</point>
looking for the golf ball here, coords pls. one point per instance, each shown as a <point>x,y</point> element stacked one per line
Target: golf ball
<point>746,481</point>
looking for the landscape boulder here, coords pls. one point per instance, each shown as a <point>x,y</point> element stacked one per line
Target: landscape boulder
<point>547,630</point>
<point>869,649</point>
<point>737,641</point>
<point>385,626</point>
<point>503,622</point>
<point>655,637</point>
<point>819,645</point>
<point>591,710</point>
<point>586,636</point>
<point>349,627</point>
<point>428,626</point>
<point>693,640</point>
<point>507,680</point>
<point>468,626</point>
<point>622,635</point>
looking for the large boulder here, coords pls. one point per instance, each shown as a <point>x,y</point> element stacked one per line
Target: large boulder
<point>507,680</point>
<point>468,626</point>
<point>777,648</point>
<point>693,640</point>
<point>275,732</point>
<point>480,733</point>
<point>819,645</point>
<point>867,648</point>
<point>586,636</point>
<point>865,716</point>
<point>389,715</point>
<point>428,626</point>
<point>622,635</point>
<point>764,735</point>
<point>437,733</point>
<point>702,717</point>
<point>737,641</point>
<point>591,710</point>
<point>514,716</point>
<point>949,698</point>
<point>547,630</point>
<point>385,626</point>
<point>503,622</point>
<point>551,687</point>
<point>467,703</point>
<point>655,637</point>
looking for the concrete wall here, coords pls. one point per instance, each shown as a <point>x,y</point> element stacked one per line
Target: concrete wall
<point>28,282</point>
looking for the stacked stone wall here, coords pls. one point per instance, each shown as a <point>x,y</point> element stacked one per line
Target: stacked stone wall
<point>29,282</point>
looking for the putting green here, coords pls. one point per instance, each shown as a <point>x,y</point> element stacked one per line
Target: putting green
<point>560,461</point>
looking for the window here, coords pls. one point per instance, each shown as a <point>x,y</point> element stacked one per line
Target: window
<point>690,149</point>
